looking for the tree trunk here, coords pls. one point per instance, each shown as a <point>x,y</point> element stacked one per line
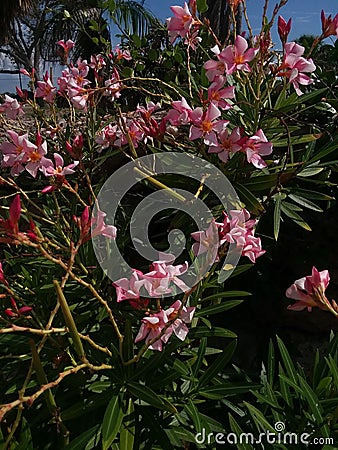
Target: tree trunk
<point>220,17</point>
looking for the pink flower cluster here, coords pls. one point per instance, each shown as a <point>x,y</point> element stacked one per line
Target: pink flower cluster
<point>237,228</point>
<point>157,328</point>
<point>231,58</point>
<point>155,283</point>
<point>11,108</point>
<point>309,292</point>
<point>20,154</point>
<point>205,125</point>
<point>142,127</point>
<point>294,65</point>
<point>184,24</point>
<point>95,226</point>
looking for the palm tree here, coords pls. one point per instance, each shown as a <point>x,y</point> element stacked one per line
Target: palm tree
<point>9,9</point>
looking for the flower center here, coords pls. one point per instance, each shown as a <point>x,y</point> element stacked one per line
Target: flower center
<point>206,126</point>
<point>34,156</point>
<point>239,59</point>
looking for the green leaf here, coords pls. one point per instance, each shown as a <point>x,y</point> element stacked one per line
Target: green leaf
<point>259,418</point>
<point>326,150</point>
<point>200,356</point>
<point>146,394</point>
<point>192,411</point>
<point>235,428</point>
<point>240,269</point>
<point>227,294</point>
<point>222,390</point>
<point>289,211</point>
<point>112,420</point>
<point>127,433</point>
<point>277,214</point>
<point>288,364</point>
<point>295,140</point>
<point>304,202</point>
<point>216,309</point>
<point>202,6</point>
<point>80,442</point>
<point>310,171</point>
<point>261,182</point>
<point>314,405</point>
<point>219,364</point>
<point>251,202</point>
<point>213,331</point>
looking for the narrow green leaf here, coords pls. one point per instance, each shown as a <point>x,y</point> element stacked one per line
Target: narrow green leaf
<point>294,216</point>
<point>251,202</point>
<point>216,309</point>
<point>314,405</point>
<point>288,364</point>
<point>80,442</point>
<point>193,413</point>
<point>304,202</point>
<point>294,140</point>
<point>219,364</point>
<point>112,420</point>
<point>235,428</point>
<point>222,390</point>
<point>127,433</point>
<point>227,294</point>
<point>146,394</point>
<point>213,331</point>
<point>200,356</point>
<point>259,418</point>
<point>277,214</point>
<point>271,363</point>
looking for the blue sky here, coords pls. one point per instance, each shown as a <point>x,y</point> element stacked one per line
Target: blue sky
<point>305,16</point>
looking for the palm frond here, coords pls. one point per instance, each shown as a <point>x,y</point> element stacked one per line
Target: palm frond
<point>132,17</point>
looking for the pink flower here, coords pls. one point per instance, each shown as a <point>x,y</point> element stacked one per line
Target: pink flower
<point>207,241</point>
<point>180,24</point>
<point>205,124</point>
<point>227,143</point>
<point>252,247</point>
<point>11,225</point>
<point>284,28</point>
<point>35,159</point>
<point>294,65</point>
<point>100,228</point>
<point>180,114</point>
<point>113,86</point>
<point>108,136</point>
<point>184,316</point>
<point>162,273</point>
<point>238,229</point>
<point>11,107</point>
<point>218,94</point>
<point>66,46</point>
<point>215,68</point>
<point>237,56</point>
<point>122,54</point>
<point>45,89</point>
<point>129,289</point>
<point>329,25</point>
<point>255,147</point>
<point>309,291</point>
<point>151,328</point>
<point>75,149</point>
<point>49,170</point>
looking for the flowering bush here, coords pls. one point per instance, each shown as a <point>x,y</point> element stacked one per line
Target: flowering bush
<point>88,343</point>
